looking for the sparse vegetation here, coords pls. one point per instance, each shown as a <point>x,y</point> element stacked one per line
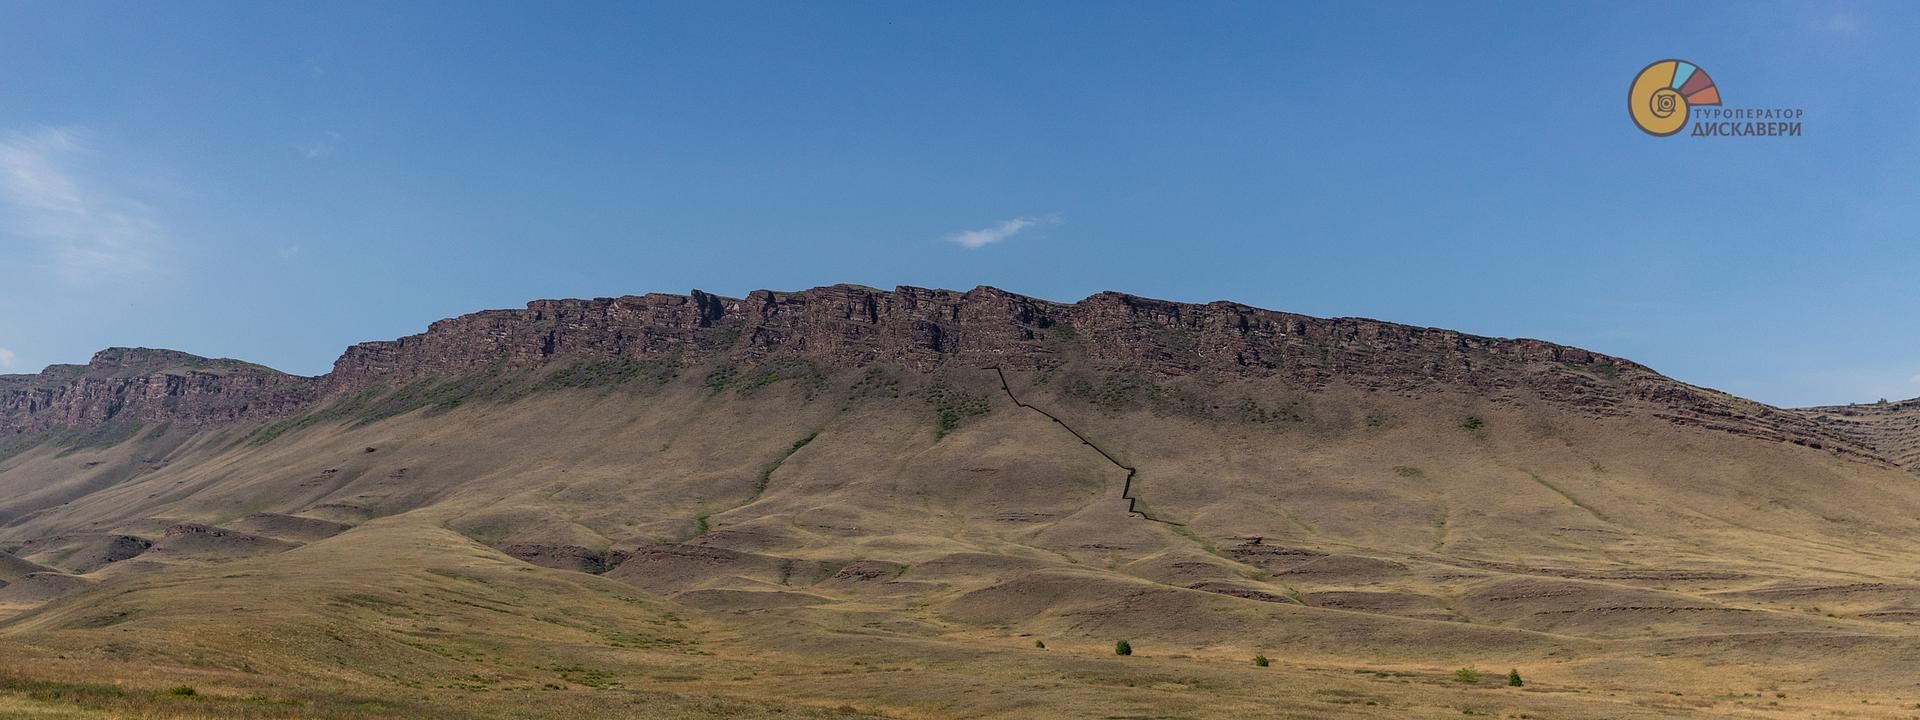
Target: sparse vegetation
<point>805,374</point>
<point>1473,422</point>
<point>953,405</point>
<point>1250,410</point>
<point>874,383</point>
<point>109,434</point>
<point>1260,661</point>
<point>377,403</point>
<point>612,372</point>
<point>1123,648</point>
<point>765,477</point>
<point>436,397</point>
<point>721,378</point>
<point>1042,644</point>
<point>182,691</point>
<point>1467,675</point>
<point>1513,678</point>
<point>1116,392</point>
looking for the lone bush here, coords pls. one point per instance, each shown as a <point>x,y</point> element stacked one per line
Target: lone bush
<point>1472,422</point>
<point>1042,644</point>
<point>1513,678</point>
<point>1259,661</point>
<point>1467,675</point>
<point>183,691</point>
<point>1123,648</point>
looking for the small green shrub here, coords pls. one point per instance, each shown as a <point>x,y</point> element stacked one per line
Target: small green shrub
<point>183,691</point>
<point>1123,648</point>
<point>952,405</point>
<point>1607,371</point>
<point>876,383</point>
<point>611,372</point>
<point>1042,644</point>
<point>1259,661</point>
<point>1513,678</point>
<point>721,378</point>
<point>1473,422</point>
<point>1467,675</point>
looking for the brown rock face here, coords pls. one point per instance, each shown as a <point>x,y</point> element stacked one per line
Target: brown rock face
<point>849,326</point>
<point>1890,429</point>
<point>148,386</point>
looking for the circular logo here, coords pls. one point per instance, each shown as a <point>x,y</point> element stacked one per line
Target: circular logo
<point>1663,92</point>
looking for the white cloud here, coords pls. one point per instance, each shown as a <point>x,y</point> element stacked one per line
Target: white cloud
<point>81,225</point>
<point>973,239</point>
<point>6,359</point>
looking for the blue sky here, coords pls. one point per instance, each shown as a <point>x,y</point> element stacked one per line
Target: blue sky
<point>274,181</point>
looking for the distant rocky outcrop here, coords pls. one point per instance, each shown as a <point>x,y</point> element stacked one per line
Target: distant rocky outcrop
<point>846,326</point>
<point>148,385</point>
<point>1890,429</point>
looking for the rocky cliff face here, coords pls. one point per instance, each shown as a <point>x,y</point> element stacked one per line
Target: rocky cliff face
<point>149,386</point>
<point>849,326</point>
<point>1890,429</point>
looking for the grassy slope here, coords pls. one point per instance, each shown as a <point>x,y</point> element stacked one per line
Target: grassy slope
<point>888,568</point>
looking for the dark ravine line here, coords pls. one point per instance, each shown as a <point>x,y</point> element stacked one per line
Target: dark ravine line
<point>760,484</point>
<point>1126,487</point>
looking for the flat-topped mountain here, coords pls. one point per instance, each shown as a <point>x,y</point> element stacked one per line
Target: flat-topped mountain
<point>949,504</point>
<point>853,327</point>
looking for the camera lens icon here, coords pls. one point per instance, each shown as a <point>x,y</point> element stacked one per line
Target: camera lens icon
<point>1665,103</point>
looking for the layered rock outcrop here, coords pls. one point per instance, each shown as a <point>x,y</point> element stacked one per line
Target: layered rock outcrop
<point>1890,429</point>
<point>922,329</point>
<point>850,326</point>
<point>158,386</point>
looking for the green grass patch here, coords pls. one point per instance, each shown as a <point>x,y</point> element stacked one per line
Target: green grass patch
<point>953,405</point>
<point>805,374</point>
<point>875,383</point>
<point>612,372</point>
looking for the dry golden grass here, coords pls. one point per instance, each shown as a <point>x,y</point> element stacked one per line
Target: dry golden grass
<point>1629,568</point>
